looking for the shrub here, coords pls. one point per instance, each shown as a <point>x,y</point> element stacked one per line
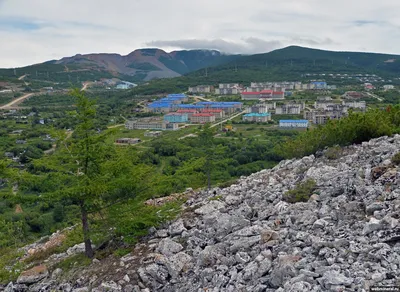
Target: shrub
<point>396,159</point>
<point>301,193</point>
<point>355,128</point>
<point>333,152</point>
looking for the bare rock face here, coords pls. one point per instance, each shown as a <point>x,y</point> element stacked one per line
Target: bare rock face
<point>246,237</point>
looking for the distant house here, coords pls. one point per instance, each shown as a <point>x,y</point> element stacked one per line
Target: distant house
<point>129,141</point>
<point>189,112</point>
<point>352,95</point>
<point>20,142</point>
<point>266,94</point>
<point>126,85</point>
<point>255,95</point>
<point>320,116</point>
<point>152,133</point>
<point>278,95</point>
<point>368,86</point>
<point>229,88</point>
<point>356,104</point>
<point>388,87</point>
<point>258,108</point>
<point>319,85</point>
<point>161,107</point>
<point>202,118</point>
<point>290,109</point>
<point>293,123</point>
<point>150,124</point>
<point>255,117</point>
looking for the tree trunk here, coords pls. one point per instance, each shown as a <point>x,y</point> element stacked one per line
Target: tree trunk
<point>208,173</point>
<point>85,227</point>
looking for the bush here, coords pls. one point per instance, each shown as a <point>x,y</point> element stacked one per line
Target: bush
<point>355,128</point>
<point>396,159</point>
<point>333,152</point>
<point>301,193</point>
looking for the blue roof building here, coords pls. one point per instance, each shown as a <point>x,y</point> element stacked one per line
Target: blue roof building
<point>191,106</point>
<point>320,84</point>
<point>178,95</point>
<point>293,123</point>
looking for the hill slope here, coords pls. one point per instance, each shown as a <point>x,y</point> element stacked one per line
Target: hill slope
<point>140,65</point>
<point>290,63</point>
<point>345,235</point>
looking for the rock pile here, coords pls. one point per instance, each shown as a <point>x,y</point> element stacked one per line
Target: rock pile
<point>346,237</point>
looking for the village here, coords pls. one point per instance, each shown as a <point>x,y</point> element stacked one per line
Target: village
<point>267,103</point>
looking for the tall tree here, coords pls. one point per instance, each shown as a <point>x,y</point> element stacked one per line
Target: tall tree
<point>210,149</point>
<point>90,172</point>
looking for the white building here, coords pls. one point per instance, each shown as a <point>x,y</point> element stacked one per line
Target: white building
<point>293,124</point>
<point>355,104</point>
<point>388,87</point>
<point>201,89</point>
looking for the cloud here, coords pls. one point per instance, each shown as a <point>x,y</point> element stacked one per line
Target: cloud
<point>367,22</point>
<point>38,30</point>
<point>251,45</point>
<point>247,46</point>
<point>18,24</point>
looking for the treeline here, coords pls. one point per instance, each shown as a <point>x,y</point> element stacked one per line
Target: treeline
<point>355,128</point>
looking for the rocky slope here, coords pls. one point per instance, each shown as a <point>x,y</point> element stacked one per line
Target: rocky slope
<point>246,238</point>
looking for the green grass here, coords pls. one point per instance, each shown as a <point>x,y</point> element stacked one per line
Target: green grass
<point>79,260</point>
<point>301,193</point>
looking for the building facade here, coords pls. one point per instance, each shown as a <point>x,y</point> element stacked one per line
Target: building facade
<point>202,118</point>
<point>150,124</point>
<point>293,123</point>
<point>218,113</point>
<point>128,141</point>
<point>201,89</point>
<point>176,117</point>
<point>255,117</point>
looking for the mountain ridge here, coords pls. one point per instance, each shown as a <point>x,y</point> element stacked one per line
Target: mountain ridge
<point>143,65</point>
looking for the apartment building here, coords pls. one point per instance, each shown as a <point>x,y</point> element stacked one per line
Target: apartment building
<point>202,118</point>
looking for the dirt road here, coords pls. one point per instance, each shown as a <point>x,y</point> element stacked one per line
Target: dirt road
<point>230,118</point>
<point>17,101</point>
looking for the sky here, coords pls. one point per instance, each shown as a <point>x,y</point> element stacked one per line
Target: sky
<point>34,31</point>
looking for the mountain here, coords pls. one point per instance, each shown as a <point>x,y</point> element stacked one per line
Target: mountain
<point>140,65</point>
<point>291,63</point>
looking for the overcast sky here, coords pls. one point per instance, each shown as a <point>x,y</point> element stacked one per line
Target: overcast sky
<point>33,31</point>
